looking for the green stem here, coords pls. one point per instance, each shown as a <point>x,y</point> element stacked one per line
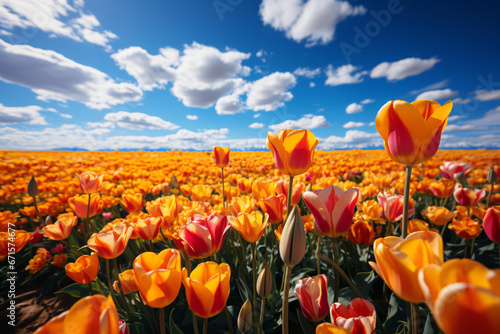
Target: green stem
<point>286,291</point>
<point>289,198</point>
<point>318,251</point>
<point>146,311</point>
<point>110,286</point>
<point>228,319</point>
<point>342,273</point>
<point>488,202</point>
<point>408,316</point>
<point>415,318</point>
<point>195,324</point>
<point>67,244</point>
<point>404,227</point>
<point>254,276</point>
<point>261,320</point>
<point>443,229</point>
<point>472,247</point>
<point>337,274</point>
<point>127,308</point>
<point>162,320</point>
<point>40,216</point>
<point>466,250</point>
<point>223,194</point>
<point>91,291</point>
<point>205,326</point>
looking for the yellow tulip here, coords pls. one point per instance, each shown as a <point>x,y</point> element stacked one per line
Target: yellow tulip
<point>251,226</point>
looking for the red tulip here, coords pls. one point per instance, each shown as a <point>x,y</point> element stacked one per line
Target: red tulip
<point>359,317</point>
<point>491,224</point>
<point>449,169</point>
<point>468,196</point>
<point>392,207</point>
<point>313,297</point>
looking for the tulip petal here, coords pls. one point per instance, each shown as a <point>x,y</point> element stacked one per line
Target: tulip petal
<point>341,216</point>
<point>281,156</point>
<point>319,211</point>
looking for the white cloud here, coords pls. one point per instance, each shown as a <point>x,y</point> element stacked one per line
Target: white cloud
<point>307,72</point>
<point>367,101</point>
<point>490,118</point>
<point>101,125</point>
<point>55,17</point>
<point>352,139</point>
<point>28,114</point>
<point>307,122</point>
<point>149,71</point>
<point>402,69</point>
<point>343,75</point>
<point>52,76</point>
<point>352,124</point>
<point>455,117</point>
<point>205,74</point>
<point>66,116</point>
<point>269,92</point>
<point>354,108</point>
<point>192,117</point>
<point>256,125</point>
<point>312,84</point>
<point>459,100</point>
<point>437,85</point>
<point>436,95</point>
<point>486,95</point>
<point>5,32</point>
<point>314,21</point>
<point>452,141</point>
<point>229,105</point>
<point>256,116</point>
<point>454,128</point>
<point>139,121</point>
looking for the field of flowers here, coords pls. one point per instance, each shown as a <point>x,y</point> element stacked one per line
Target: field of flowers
<point>292,240</point>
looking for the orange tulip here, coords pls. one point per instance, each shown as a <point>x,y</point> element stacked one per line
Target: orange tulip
<point>112,243</point>
<point>281,187</point>
<point>61,229</point>
<point>132,202</point>
<point>415,225</point>
<point>491,224</point>
<point>327,328</point>
<point>79,205</point>
<point>275,207</point>
<point>359,317</point>
<point>412,131</point>
<point>438,215</point>
<point>147,228</point>
<point>371,208</point>
<point>92,314</point>
<point>59,260</point>
<point>293,150</point>
<point>398,261</point>
<point>466,228</point>
<point>221,156</point>
<point>53,326</point>
<point>20,238</point>
<point>207,288</point>
<point>442,188</point>
<point>201,193</point>
<point>90,183</point>
<point>251,226</point>
<point>263,189</point>
<point>37,263</point>
<point>463,296</point>
<point>165,207</point>
<point>244,204</point>
<point>158,277</point>
<point>362,232</point>
<point>85,268</point>
<point>127,279</point>
<point>245,185</point>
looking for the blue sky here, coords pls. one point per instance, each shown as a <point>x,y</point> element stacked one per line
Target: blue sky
<point>161,75</point>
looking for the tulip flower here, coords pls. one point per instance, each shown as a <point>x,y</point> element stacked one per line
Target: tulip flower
<point>263,189</point>
<point>80,205</point>
<point>466,228</point>
<point>242,204</point>
<point>293,150</point>
<point>90,183</point>
<point>207,288</point>
<point>312,295</point>
<point>362,232</point>
<point>20,239</point>
<point>164,207</point>
<point>127,279</point>
<point>202,236</point>
<point>332,209</point>
<point>221,156</point>
<point>281,187</point>
<point>491,224</point>
<point>84,270</point>
<point>59,260</point>
<point>438,215</point>
<point>61,229</point>
<point>158,277</point>
<point>147,228</point>
<point>122,327</point>
<point>274,206</point>
<point>442,188</point>
<point>371,208</point>
<point>53,326</point>
<point>412,131</point>
<point>449,169</point>
<point>251,226</point>
<point>468,196</point>
<point>201,193</point>
<point>359,317</point>
<point>245,185</point>
<point>133,203</point>
<point>463,296</point>
<point>392,207</point>
<point>112,243</point>
<point>398,261</point>
<point>327,328</point>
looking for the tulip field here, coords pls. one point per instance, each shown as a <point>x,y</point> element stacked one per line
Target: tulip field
<point>292,239</point>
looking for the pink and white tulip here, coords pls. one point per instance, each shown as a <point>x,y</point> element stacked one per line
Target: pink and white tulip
<point>450,168</point>
<point>359,317</point>
<point>312,295</point>
<point>468,196</point>
<point>392,206</point>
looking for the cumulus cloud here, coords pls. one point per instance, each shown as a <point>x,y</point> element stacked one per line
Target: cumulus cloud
<point>28,114</point>
<point>352,139</point>
<point>487,95</point>
<point>139,121</point>
<point>402,69</point>
<point>307,122</point>
<point>57,18</point>
<point>312,84</point>
<point>354,108</point>
<point>229,105</point>
<point>52,76</point>
<point>436,95</point>
<point>352,124</point>
<point>367,101</point>
<point>490,118</point>
<point>256,125</point>
<point>192,117</point>
<point>455,128</point>
<point>270,92</point>
<point>459,100</point>
<point>314,21</point>
<point>434,86</point>
<point>455,117</point>
<point>149,71</point>
<point>307,72</point>
<point>343,75</point>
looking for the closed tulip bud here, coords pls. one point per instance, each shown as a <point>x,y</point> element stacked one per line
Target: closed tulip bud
<point>127,279</point>
<point>293,239</point>
<point>33,187</point>
<point>245,317</point>
<point>48,220</point>
<point>491,224</point>
<point>221,156</point>
<point>309,187</point>
<point>412,131</point>
<point>265,282</point>
<point>312,295</point>
<point>174,182</point>
<point>122,327</point>
<point>459,177</point>
<point>492,176</point>
<point>463,296</point>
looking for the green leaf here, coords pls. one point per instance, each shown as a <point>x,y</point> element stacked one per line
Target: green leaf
<point>50,283</point>
<point>173,329</point>
<point>77,290</point>
<point>304,323</point>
